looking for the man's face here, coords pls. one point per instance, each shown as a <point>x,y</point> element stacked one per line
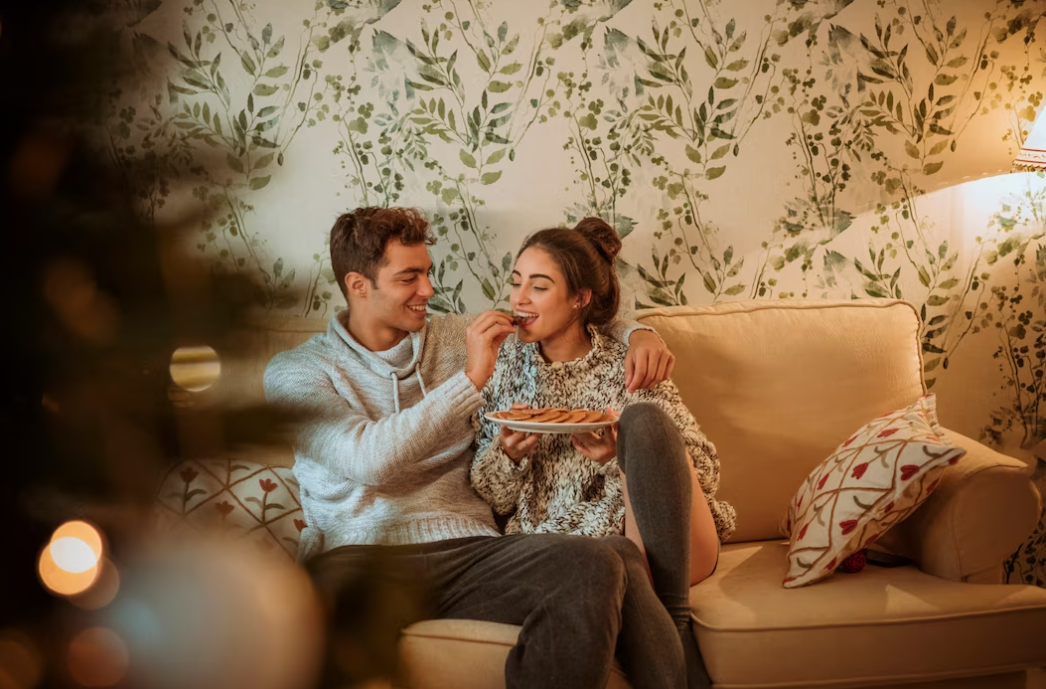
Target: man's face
<point>400,296</point>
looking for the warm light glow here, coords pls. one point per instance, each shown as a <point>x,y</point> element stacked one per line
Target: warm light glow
<point>21,664</point>
<point>102,591</point>
<point>1032,156</point>
<point>195,368</point>
<point>73,555</point>
<point>97,657</point>
<point>69,565</point>
<point>82,531</point>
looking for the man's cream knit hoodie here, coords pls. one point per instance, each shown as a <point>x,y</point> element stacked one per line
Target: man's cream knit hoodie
<point>383,454</point>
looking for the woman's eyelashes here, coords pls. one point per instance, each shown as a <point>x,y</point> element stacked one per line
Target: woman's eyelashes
<point>517,285</point>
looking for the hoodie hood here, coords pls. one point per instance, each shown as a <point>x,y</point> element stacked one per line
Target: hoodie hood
<point>337,330</point>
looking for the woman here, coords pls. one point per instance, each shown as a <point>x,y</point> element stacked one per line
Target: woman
<point>652,478</point>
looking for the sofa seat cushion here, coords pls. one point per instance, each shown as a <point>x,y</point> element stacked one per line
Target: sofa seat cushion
<point>464,654</point>
<point>878,626</point>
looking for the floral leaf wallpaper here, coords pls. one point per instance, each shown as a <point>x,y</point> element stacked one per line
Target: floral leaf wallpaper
<point>770,149</point>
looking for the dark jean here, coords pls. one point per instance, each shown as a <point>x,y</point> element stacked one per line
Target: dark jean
<point>579,601</point>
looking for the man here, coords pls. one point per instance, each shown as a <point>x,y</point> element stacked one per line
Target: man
<point>382,458</point>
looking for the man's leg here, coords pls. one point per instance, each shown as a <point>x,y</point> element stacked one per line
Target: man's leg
<point>369,594</point>
<point>648,645</point>
<point>568,594</point>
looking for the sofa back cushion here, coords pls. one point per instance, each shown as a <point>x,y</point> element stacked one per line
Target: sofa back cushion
<point>253,343</point>
<point>243,356</point>
<point>778,385</point>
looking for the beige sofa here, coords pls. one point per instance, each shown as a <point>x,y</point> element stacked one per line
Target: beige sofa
<point>777,385</point>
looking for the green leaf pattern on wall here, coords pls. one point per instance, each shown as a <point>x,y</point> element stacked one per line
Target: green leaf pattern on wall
<point>838,116</point>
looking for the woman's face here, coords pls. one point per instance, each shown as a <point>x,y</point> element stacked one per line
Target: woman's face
<point>539,296</point>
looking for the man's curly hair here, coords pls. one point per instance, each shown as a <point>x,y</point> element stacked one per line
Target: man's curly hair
<point>358,239</point>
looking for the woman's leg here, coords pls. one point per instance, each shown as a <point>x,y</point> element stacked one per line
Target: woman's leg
<point>704,540</point>
<point>660,499</point>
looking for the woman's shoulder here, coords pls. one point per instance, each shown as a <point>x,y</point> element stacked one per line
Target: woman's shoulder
<point>606,350</point>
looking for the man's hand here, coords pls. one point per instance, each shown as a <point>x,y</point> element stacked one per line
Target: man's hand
<point>482,339</point>
<point>599,446</point>
<point>518,444</point>
<point>648,361</point>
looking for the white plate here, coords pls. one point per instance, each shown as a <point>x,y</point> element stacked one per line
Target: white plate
<point>539,427</point>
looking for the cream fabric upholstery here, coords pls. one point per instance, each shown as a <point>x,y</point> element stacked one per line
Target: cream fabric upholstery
<point>984,508</point>
<point>877,626</point>
<point>778,385</point>
<point>464,654</point>
<point>243,356</point>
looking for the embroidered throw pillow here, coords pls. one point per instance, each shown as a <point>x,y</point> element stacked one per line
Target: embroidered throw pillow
<point>232,498</point>
<point>869,483</point>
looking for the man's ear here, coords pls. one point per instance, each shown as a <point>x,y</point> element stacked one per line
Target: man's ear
<point>357,285</point>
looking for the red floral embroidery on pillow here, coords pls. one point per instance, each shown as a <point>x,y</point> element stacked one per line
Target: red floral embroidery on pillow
<point>859,470</point>
<point>854,563</point>
<point>887,433</point>
<point>852,438</point>
<point>954,459</point>
<point>820,484</point>
<point>188,474</point>
<point>224,507</point>
<point>929,489</point>
<point>299,524</point>
<point>831,565</point>
<point>871,540</point>
<point>909,470</point>
<point>802,532</point>
<point>888,508</point>
<point>267,484</point>
<point>848,525</point>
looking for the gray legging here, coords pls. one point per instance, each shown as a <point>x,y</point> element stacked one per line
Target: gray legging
<point>652,456</point>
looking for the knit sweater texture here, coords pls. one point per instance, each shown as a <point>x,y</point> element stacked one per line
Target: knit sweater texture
<point>556,489</point>
<point>382,452</point>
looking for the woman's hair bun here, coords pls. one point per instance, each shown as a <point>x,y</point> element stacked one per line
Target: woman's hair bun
<point>602,236</point>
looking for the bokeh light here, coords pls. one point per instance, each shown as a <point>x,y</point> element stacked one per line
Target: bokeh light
<point>102,592</point>
<point>195,368</point>
<point>73,555</point>
<point>70,563</point>
<point>83,531</point>
<point>218,615</point>
<point>21,664</point>
<point>97,657</point>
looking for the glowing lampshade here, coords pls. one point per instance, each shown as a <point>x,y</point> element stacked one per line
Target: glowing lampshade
<point>1032,156</point>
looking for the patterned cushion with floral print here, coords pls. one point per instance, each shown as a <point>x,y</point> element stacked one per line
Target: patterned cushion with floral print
<point>869,483</point>
<point>232,498</point>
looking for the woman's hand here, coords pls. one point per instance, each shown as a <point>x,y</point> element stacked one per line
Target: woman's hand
<point>599,446</point>
<point>518,444</point>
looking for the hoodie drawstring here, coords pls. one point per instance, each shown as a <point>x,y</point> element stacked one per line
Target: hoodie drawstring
<point>396,387</point>
<point>395,391</point>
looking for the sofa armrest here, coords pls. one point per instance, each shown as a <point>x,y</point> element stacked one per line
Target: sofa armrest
<point>982,510</point>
